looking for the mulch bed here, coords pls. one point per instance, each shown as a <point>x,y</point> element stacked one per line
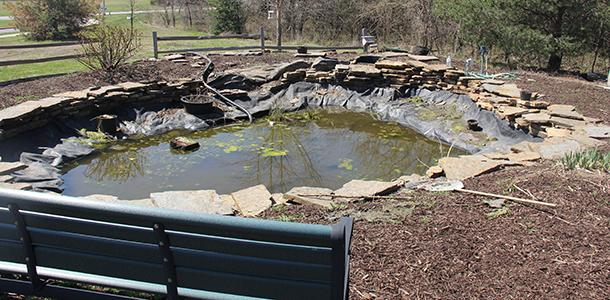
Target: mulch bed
<point>448,248</point>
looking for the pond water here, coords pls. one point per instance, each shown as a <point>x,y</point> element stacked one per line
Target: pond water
<point>323,148</point>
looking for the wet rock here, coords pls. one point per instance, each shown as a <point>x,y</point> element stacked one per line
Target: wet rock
<point>203,201</point>
<point>252,201</point>
<point>364,189</point>
<point>324,64</point>
<point>7,168</point>
<point>434,172</point>
<point>598,132</point>
<point>300,195</point>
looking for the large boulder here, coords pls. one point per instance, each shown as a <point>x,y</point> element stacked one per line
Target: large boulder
<point>252,201</point>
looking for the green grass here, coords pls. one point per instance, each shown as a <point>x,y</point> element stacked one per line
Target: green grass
<point>6,23</point>
<point>54,67</point>
<point>123,5</point>
<point>588,160</point>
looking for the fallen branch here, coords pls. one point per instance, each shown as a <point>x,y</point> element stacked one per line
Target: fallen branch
<point>319,196</point>
<point>521,200</point>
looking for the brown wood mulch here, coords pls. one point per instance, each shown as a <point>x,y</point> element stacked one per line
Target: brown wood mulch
<point>447,247</point>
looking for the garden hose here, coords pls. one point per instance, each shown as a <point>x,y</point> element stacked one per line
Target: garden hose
<point>204,77</point>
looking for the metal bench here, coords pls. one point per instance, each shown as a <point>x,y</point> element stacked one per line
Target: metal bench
<point>48,238</point>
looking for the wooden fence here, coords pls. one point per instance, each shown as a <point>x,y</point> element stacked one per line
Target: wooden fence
<point>261,37</point>
<point>38,60</point>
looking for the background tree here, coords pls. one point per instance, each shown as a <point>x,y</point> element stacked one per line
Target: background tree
<point>228,16</point>
<point>52,19</point>
<point>553,28</point>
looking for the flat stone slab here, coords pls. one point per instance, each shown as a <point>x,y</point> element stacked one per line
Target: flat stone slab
<point>507,90</point>
<point>422,57</point>
<point>5,178</point>
<point>598,132</point>
<point>22,186</point>
<point>287,67</point>
<point>537,118</point>
<point>363,189</point>
<point>204,201</point>
<point>116,200</point>
<point>566,122</point>
<point>511,111</point>
<point>464,167</point>
<point>364,70</point>
<point>391,64</point>
<point>19,110</point>
<point>301,195</point>
<point>559,132</point>
<point>493,81</point>
<point>565,111</point>
<point>252,201</point>
<point>76,95</point>
<point>130,86</point>
<point>7,168</point>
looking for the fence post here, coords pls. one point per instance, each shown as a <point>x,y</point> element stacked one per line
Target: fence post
<point>155,45</point>
<point>263,39</point>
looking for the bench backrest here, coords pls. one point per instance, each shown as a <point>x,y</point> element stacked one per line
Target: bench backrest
<point>172,252</point>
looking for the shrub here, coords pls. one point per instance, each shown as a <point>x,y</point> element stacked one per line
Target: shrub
<point>107,48</point>
<point>228,16</point>
<point>589,160</point>
<point>52,19</point>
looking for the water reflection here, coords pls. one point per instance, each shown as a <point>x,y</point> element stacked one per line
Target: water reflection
<point>317,148</point>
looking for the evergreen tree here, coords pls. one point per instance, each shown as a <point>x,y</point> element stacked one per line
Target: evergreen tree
<point>228,16</point>
<point>553,28</point>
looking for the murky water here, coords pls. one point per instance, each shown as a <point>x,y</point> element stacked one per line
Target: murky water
<point>324,148</point>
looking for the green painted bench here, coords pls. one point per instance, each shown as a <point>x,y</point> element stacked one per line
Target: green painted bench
<point>47,238</point>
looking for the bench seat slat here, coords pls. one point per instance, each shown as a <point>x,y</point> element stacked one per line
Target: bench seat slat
<point>267,250</point>
<point>187,277</point>
<point>242,228</point>
<point>206,260</point>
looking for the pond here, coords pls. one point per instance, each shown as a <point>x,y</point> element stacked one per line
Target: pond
<point>321,148</point>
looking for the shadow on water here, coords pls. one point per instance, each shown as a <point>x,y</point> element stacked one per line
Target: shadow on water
<point>325,148</point>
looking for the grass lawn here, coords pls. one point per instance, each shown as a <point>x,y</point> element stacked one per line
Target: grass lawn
<point>141,23</point>
<point>54,67</point>
<point>123,5</point>
<point>6,23</point>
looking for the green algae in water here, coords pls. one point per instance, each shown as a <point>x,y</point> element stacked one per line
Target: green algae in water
<point>324,148</point>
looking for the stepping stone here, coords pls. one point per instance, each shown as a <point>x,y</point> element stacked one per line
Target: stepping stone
<point>203,201</point>
<point>569,123</point>
<point>538,118</point>
<point>598,132</point>
<point>252,201</point>
<point>565,111</point>
<point>295,195</point>
<point>511,111</point>
<point>558,132</point>
<point>464,167</point>
<point>7,168</point>
<point>364,189</point>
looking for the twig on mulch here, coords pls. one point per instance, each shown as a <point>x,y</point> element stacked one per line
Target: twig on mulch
<point>321,196</point>
<point>515,199</point>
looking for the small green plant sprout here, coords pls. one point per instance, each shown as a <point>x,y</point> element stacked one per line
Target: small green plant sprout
<point>588,160</point>
<point>500,212</point>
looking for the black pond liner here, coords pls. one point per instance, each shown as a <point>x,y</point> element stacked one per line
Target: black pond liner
<point>44,171</point>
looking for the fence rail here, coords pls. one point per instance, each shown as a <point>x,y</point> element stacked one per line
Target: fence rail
<point>37,60</point>
<point>9,47</point>
<point>260,36</point>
